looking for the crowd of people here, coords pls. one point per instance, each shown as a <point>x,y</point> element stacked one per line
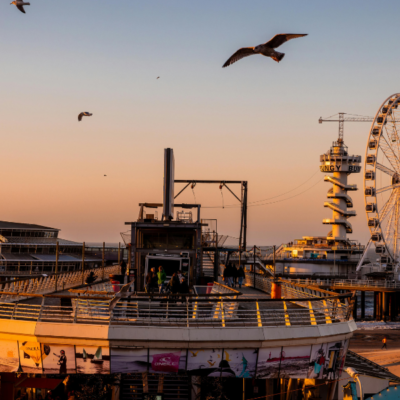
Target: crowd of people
<point>233,276</point>
<point>155,282</point>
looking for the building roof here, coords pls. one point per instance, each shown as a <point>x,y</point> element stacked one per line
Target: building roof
<point>367,367</point>
<point>13,257</point>
<point>17,225</point>
<point>39,241</point>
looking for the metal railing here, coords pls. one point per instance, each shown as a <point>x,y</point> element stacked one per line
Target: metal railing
<point>47,284</point>
<point>351,283</point>
<point>297,290</point>
<point>187,312</point>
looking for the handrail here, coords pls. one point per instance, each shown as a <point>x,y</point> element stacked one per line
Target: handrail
<point>223,313</point>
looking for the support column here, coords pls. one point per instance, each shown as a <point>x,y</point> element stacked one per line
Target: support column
<point>381,306</point>
<point>362,306</point>
<point>385,306</point>
<point>375,315</point>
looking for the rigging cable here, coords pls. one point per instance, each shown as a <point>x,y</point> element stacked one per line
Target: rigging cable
<point>251,204</point>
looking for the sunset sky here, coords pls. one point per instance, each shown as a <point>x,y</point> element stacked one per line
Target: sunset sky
<point>256,120</point>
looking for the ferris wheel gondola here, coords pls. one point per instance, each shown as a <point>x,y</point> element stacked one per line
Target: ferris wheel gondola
<point>382,181</point>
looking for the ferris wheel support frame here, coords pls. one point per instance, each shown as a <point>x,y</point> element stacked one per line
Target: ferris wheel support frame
<point>388,240</point>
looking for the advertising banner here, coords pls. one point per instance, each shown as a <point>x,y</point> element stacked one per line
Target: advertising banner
<point>30,356</point>
<point>241,362</point>
<point>295,362</point>
<point>129,360</point>
<point>92,360</point>
<point>60,359</point>
<point>269,360</point>
<point>9,359</point>
<point>167,361</point>
<point>206,362</point>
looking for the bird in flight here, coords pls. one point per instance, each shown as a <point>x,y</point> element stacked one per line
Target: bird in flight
<point>194,353</point>
<point>158,77</point>
<point>20,5</point>
<point>84,114</point>
<point>267,49</point>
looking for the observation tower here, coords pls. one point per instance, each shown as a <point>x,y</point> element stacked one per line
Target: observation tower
<point>338,162</point>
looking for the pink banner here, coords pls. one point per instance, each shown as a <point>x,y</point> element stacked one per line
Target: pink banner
<point>166,362</point>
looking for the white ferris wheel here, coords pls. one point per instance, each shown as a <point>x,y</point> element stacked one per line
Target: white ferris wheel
<point>382,181</point>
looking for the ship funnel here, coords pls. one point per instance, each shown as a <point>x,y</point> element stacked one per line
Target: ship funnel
<point>169,176</point>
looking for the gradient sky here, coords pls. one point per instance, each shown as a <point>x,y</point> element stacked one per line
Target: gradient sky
<point>256,120</point>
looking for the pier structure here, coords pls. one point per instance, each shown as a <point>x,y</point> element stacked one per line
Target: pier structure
<point>220,334</point>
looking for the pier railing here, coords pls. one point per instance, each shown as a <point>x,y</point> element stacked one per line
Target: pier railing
<point>350,283</point>
<point>188,311</point>
<point>295,290</point>
<point>47,284</point>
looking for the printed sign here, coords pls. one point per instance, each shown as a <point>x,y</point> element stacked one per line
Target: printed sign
<point>165,361</point>
<point>60,359</point>
<point>207,362</point>
<point>92,359</point>
<point>269,361</point>
<point>129,360</point>
<point>295,362</point>
<point>30,355</point>
<point>9,359</point>
<point>241,362</point>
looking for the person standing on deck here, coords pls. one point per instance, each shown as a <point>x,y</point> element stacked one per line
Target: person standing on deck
<point>234,275</point>
<point>241,275</point>
<point>384,340</point>
<point>161,275</point>
<point>151,281</point>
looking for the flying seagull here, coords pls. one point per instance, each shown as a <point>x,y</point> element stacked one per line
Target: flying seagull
<point>20,5</point>
<point>266,49</point>
<point>84,114</point>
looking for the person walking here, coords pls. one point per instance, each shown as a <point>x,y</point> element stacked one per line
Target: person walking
<point>234,276</point>
<point>241,276</point>
<point>151,281</point>
<point>384,340</point>
<point>123,267</point>
<point>161,275</point>
<point>231,274</point>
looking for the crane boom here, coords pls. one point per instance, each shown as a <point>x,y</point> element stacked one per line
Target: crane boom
<point>341,121</point>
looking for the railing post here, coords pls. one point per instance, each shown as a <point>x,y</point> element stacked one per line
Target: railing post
<point>222,313</point>
<point>76,311</point>
<point>259,321</point>
<point>187,313</point>
<point>41,308</point>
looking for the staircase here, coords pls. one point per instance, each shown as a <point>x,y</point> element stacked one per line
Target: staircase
<point>208,264</point>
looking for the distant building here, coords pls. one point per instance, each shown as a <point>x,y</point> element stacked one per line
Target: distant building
<point>29,249</point>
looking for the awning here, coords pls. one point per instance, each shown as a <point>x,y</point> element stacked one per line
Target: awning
<point>40,383</point>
